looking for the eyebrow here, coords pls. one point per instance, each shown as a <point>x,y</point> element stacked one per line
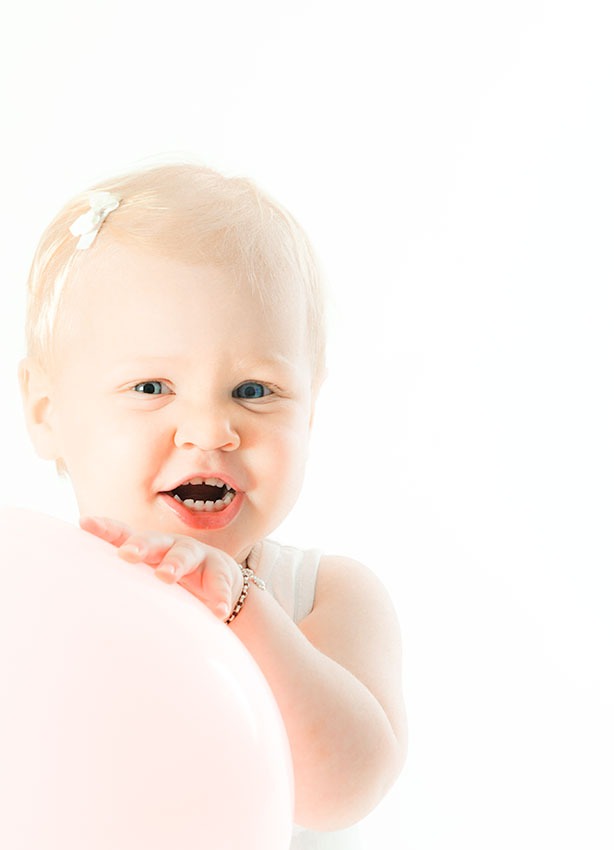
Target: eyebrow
<point>245,362</point>
<point>266,361</point>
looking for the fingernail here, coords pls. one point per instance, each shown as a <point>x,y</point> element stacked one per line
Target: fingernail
<point>130,549</point>
<point>222,610</point>
<point>90,519</point>
<point>166,573</point>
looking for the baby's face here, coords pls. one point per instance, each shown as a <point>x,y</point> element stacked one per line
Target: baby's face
<point>167,374</point>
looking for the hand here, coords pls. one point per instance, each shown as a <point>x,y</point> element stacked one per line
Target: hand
<point>208,573</point>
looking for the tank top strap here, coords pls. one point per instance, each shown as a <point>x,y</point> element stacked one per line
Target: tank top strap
<point>289,574</point>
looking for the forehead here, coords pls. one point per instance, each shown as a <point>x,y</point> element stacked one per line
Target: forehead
<point>127,302</point>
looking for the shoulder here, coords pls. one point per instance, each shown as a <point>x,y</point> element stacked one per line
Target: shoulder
<point>354,621</point>
<point>351,592</point>
<point>337,573</point>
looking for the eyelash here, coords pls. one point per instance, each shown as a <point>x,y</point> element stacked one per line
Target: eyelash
<point>244,383</point>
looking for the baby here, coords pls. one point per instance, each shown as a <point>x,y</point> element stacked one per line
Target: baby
<point>176,348</point>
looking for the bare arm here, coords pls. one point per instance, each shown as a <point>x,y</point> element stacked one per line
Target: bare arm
<point>336,677</point>
<point>337,681</point>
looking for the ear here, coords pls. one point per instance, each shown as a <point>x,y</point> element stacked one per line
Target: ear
<point>36,394</point>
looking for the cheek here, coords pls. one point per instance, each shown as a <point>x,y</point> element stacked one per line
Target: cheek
<point>287,450</point>
<point>98,448</point>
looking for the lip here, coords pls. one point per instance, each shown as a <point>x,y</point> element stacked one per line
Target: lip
<point>204,519</point>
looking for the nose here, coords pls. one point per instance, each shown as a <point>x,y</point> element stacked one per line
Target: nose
<point>207,429</point>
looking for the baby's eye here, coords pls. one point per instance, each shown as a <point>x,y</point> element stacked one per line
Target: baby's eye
<point>151,388</point>
<point>250,390</point>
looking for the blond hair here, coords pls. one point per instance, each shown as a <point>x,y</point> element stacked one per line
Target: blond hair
<point>188,212</point>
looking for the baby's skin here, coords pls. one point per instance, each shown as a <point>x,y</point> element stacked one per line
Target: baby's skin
<point>165,373</point>
<point>208,573</point>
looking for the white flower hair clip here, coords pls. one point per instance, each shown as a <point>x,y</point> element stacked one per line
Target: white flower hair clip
<point>88,224</point>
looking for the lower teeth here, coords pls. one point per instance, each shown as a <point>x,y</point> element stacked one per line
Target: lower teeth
<point>209,507</point>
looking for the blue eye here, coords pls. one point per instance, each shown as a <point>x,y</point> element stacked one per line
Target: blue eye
<point>250,390</point>
<point>150,388</point>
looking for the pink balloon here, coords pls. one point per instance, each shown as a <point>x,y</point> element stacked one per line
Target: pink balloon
<point>132,719</point>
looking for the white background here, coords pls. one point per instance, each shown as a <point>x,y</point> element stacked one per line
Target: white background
<point>453,164</point>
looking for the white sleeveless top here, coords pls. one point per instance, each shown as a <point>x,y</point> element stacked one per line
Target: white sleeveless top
<point>290,576</point>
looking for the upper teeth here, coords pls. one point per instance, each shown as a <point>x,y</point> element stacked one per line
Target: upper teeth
<point>216,482</point>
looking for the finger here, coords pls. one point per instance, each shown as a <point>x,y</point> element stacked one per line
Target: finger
<point>111,530</point>
<point>214,572</point>
<point>147,547</point>
<point>223,605</point>
<point>185,556</point>
<point>219,592</point>
<point>216,584</point>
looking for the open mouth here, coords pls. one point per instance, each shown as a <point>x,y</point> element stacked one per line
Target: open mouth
<point>208,494</point>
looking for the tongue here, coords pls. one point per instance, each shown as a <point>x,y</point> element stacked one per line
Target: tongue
<point>200,492</point>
